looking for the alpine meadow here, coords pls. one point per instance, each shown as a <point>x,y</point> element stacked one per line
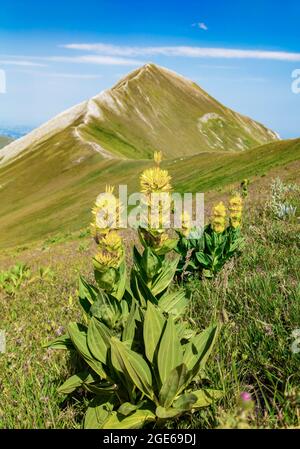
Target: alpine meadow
<point>167,323</point>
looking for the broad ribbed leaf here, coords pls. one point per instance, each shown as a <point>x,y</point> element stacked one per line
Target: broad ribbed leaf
<point>185,402</point>
<point>202,259</point>
<point>206,397</point>
<point>140,289</point>
<point>134,421</point>
<point>119,293</point>
<point>98,411</point>
<point>153,327</point>
<point>130,326</point>
<point>98,339</point>
<point>63,342</point>
<point>165,277</point>
<point>127,408</point>
<point>172,385</point>
<point>167,413</point>
<point>167,246</point>
<point>134,366</point>
<point>78,335</point>
<point>150,263</point>
<point>87,290</point>
<point>170,351</point>
<point>75,381</point>
<point>199,348</point>
<point>174,303</point>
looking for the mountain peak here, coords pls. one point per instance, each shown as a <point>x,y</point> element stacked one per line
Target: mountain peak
<point>151,108</point>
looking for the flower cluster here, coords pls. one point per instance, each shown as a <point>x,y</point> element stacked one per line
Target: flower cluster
<point>106,213</point>
<point>218,220</point>
<point>110,251</point>
<point>156,181</point>
<point>235,208</point>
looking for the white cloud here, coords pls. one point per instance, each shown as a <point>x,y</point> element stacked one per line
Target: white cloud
<point>20,62</point>
<point>200,25</point>
<point>62,75</point>
<point>95,59</point>
<point>72,75</point>
<point>183,51</point>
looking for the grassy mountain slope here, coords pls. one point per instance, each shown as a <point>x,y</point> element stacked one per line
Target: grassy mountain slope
<point>150,109</point>
<point>154,108</point>
<point>36,199</point>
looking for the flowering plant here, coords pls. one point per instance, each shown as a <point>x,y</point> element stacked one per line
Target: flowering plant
<point>219,241</point>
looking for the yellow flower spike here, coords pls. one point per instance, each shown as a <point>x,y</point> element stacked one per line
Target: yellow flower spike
<point>218,228</point>
<point>112,242</point>
<point>235,222</point>
<point>107,260</point>
<point>157,157</point>
<point>107,211</point>
<point>155,180</point>
<point>219,210</point>
<point>236,208</point>
<point>218,221</point>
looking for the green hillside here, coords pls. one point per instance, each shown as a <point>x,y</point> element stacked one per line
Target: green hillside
<point>41,196</point>
<point>154,108</point>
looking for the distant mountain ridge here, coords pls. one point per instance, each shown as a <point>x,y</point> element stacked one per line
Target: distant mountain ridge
<point>15,132</point>
<point>150,109</point>
<point>4,140</point>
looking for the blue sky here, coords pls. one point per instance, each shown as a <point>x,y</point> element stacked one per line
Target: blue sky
<point>56,54</point>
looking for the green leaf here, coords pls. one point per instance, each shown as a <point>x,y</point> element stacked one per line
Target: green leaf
<point>173,384</point>
<point>127,408</point>
<point>166,276</point>
<point>167,246</point>
<point>119,291</point>
<point>100,389</point>
<point>98,339</point>
<point>153,326</point>
<point>174,303</point>
<point>78,335</point>
<point>135,421</point>
<point>140,289</point>
<point>185,402</point>
<point>106,279</point>
<point>134,366</point>
<point>130,326</point>
<point>199,348</point>
<point>63,342</point>
<point>107,309</point>
<point>170,351</point>
<point>75,381</point>
<point>203,259</point>
<point>150,263</point>
<point>206,397</point>
<point>167,413</point>
<point>98,411</point>
<point>87,291</point>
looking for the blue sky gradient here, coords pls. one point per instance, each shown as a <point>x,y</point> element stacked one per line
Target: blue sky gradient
<point>56,54</point>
